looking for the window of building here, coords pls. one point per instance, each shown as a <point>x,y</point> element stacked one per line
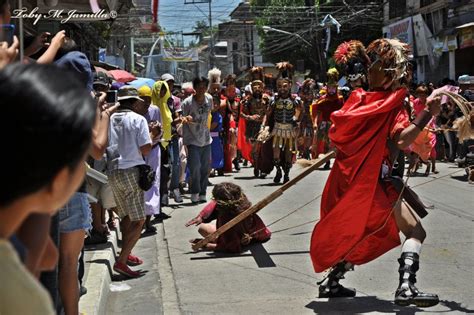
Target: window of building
<point>424,3</point>
<point>397,8</point>
<point>436,20</point>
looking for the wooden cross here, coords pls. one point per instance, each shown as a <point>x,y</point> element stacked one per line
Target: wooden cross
<point>264,202</point>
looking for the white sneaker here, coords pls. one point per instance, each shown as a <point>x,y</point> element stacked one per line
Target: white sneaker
<point>177,196</point>
<point>202,198</point>
<point>194,198</point>
<point>165,200</point>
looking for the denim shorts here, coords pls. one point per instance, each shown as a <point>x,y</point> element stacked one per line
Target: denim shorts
<point>76,214</point>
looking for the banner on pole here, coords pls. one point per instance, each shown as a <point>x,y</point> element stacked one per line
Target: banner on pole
<point>402,30</point>
<point>180,54</point>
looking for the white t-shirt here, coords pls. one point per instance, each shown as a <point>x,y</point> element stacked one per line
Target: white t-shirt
<point>20,292</point>
<point>127,133</point>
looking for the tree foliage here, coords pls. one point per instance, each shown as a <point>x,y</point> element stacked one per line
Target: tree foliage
<point>359,19</point>
<point>269,13</point>
<point>202,27</point>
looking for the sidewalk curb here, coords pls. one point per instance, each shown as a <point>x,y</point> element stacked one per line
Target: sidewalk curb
<point>99,260</point>
<point>169,293</point>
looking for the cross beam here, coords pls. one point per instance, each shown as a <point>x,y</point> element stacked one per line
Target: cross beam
<point>264,202</point>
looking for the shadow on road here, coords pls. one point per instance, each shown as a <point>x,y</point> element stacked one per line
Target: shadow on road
<point>369,304</point>
<point>244,177</point>
<point>363,304</point>
<point>257,251</point>
<point>462,178</point>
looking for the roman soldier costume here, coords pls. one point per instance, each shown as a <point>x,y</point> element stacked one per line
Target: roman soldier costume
<point>362,199</point>
<point>305,135</point>
<point>254,108</point>
<point>321,110</point>
<point>230,114</point>
<point>284,112</point>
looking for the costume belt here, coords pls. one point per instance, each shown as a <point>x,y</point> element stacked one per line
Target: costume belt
<point>284,135</point>
<point>408,195</point>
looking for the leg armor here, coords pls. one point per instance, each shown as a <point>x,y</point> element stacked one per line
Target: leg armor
<point>330,287</point>
<point>278,174</point>
<point>407,293</point>
<point>286,169</point>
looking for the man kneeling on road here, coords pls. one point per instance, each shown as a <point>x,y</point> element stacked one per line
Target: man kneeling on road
<point>129,141</point>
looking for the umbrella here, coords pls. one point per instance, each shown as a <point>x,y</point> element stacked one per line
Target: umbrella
<point>139,82</point>
<point>122,76</point>
<point>100,69</point>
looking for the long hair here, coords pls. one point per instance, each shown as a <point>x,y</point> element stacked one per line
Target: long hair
<point>230,198</point>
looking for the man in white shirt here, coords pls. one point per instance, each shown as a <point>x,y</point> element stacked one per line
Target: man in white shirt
<point>197,138</point>
<point>129,141</point>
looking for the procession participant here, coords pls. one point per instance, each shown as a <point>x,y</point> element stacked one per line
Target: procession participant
<point>321,112</point>
<point>152,196</point>
<point>305,135</point>
<point>229,201</point>
<point>217,149</point>
<point>352,63</point>
<point>360,200</point>
<point>254,108</point>
<point>424,146</point>
<point>283,112</point>
<point>230,114</point>
<point>197,139</point>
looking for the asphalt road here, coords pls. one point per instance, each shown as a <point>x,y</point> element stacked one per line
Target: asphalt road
<point>277,277</point>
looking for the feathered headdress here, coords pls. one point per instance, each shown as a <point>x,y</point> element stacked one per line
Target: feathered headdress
<point>351,58</point>
<point>214,76</point>
<point>285,70</point>
<point>308,86</point>
<point>256,73</point>
<point>333,76</point>
<point>393,54</point>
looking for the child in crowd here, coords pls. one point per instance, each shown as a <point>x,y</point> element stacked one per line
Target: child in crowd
<point>227,202</point>
<point>51,111</point>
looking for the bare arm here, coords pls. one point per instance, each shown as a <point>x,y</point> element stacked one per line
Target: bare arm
<point>8,54</point>
<point>100,132</point>
<point>409,134</point>
<point>145,149</point>
<point>50,53</point>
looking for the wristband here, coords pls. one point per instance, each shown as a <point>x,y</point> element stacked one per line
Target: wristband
<point>422,119</point>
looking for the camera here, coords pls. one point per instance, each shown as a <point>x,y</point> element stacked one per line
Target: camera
<point>111,97</point>
<point>7,31</point>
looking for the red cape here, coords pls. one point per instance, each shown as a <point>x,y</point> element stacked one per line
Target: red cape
<point>242,144</point>
<point>354,204</point>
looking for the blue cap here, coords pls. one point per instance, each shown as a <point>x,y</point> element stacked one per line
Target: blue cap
<point>77,62</point>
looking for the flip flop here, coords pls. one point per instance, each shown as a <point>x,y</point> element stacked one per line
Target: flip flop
<point>134,260</point>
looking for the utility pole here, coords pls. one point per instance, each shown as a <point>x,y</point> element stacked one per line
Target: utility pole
<point>132,54</point>
<point>211,42</point>
<point>317,44</point>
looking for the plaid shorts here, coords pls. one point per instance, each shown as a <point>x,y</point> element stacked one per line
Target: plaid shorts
<point>128,196</point>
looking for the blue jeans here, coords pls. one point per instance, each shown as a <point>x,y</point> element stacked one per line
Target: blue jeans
<point>198,163</point>
<point>175,163</point>
<point>76,214</point>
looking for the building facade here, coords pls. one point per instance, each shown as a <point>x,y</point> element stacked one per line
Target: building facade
<point>440,33</point>
<point>243,41</point>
